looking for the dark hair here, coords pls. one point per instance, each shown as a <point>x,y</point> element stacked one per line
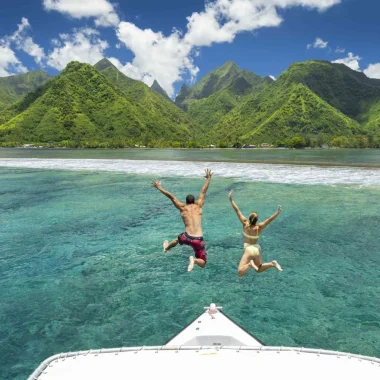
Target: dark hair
<point>253,219</point>
<point>190,199</point>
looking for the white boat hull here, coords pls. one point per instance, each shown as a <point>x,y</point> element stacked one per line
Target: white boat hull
<point>212,346</point>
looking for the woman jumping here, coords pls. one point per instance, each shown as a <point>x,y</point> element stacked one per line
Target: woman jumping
<point>252,257</point>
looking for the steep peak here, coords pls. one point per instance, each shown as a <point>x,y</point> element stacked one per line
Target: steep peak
<point>229,68</point>
<point>181,97</point>
<point>157,88</point>
<point>104,64</point>
<point>230,65</point>
<point>38,71</point>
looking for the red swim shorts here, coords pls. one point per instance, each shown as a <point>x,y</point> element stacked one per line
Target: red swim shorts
<point>195,242</point>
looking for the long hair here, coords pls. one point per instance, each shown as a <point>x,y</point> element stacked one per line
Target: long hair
<point>253,219</point>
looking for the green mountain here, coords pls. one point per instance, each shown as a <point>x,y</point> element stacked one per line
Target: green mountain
<point>156,109</point>
<point>219,92</point>
<point>104,64</point>
<point>351,92</point>
<point>13,88</point>
<point>100,106</point>
<point>309,99</point>
<point>156,87</point>
<point>81,105</point>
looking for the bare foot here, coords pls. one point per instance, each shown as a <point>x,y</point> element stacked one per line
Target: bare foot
<point>253,266</point>
<point>191,264</point>
<point>166,243</point>
<point>277,265</point>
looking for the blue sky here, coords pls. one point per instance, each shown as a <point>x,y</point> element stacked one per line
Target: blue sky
<point>176,42</point>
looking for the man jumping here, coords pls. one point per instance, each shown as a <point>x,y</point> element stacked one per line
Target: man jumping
<point>191,213</point>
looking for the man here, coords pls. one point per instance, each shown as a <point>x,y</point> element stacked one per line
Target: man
<point>191,213</point>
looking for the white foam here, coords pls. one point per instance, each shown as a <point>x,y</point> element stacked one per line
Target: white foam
<point>287,174</point>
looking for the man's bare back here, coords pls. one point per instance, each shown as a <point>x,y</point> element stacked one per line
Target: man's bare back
<point>192,219</point>
<point>191,214</point>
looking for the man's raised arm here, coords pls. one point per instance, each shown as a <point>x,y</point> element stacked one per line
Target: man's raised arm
<point>175,201</point>
<point>202,196</point>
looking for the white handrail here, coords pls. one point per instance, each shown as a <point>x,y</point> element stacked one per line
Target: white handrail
<point>35,375</point>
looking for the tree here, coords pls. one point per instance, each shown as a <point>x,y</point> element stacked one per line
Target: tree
<point>297,142</point>
<point>341,142</point>
<point>222,144</point>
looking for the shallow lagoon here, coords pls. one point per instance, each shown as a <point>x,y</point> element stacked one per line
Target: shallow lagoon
<point>82,265</point>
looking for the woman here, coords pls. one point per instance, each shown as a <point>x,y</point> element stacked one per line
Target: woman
<point>252,251</point>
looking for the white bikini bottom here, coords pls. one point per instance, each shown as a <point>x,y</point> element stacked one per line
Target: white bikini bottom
<point>253,250</point>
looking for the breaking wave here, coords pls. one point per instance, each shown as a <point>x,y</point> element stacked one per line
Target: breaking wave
<point>285,174</point>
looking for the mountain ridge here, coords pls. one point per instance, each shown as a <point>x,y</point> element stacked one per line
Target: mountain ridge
<point>319,106</point>
<point>156,87</point>
<point>14,87</point>
<point>99,105</point>
<point>218,92</point>
<point>81,105</point>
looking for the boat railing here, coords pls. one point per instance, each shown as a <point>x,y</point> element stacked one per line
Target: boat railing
<point>73,355</point>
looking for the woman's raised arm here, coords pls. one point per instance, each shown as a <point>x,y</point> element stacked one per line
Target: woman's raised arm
<point>241,217</point>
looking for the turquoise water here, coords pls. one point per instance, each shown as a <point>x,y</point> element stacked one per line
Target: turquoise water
<point>82,265</point>
<point>368,157</point>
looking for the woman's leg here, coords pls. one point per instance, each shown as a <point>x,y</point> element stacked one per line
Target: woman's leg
<point>242,270</point>
<point>266,266</point>
<point>246,263</point>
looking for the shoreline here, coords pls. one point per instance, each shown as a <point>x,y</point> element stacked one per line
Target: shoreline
<point>191,149</point>
<point>316,157</point>
<point>268,162</point>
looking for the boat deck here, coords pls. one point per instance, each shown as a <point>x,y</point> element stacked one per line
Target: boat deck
<point>173,363</point>
<point>214,329</point>
<point>212,346</point>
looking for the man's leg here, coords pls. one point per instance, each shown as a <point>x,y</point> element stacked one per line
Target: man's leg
<point>168,246</point>
<point>201,263</point>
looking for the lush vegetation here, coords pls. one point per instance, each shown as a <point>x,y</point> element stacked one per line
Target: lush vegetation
<point>155,110</point>
<point>13,88</point>
<point>81,107</point>
<point>349,91</point>
<point>306,101</point>
<point>311,104</point>
<point>219,92</point>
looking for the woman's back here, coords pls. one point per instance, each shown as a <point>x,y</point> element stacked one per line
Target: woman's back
<point>251,234</point>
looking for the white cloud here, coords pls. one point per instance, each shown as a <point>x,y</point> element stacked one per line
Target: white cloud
<point>168,58</point>
<point>340,50</point>
<point>318,44</point>
<point>222,20</point>
<point>352,61</point>
<point>9,63</point>
<point>373,71</point>
<point>132,71</point>
<point>22,42</point>
<point>273,77</point>
<point>101,10</point>
<point>83,45</point>
<point>156,56</point>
